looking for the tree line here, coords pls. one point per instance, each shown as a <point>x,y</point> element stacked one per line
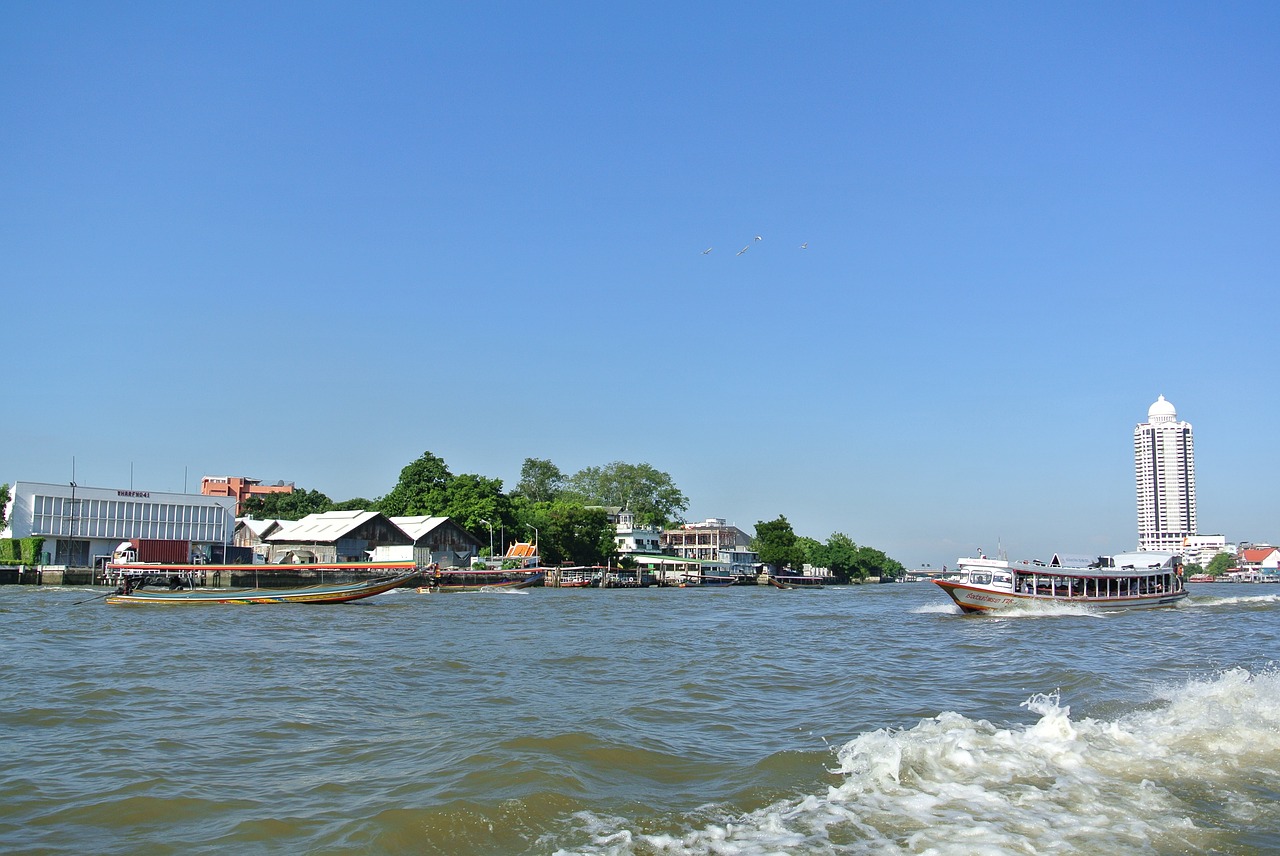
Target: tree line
<point>565,513</point>
<point>777,544</point>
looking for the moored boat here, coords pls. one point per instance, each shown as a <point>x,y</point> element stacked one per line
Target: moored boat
<point>707,581</point>
<point>795,581</point>
<point>1123,581</point>
<point>139,586</point>
<point>445,581</point>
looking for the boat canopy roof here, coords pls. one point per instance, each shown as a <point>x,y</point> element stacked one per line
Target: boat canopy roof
<point>1142,560</point>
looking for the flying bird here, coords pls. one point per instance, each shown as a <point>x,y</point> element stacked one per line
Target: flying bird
<point>743,250</point>
<point>758,238</point>
<point>707,250</point>
<point>805,245</point>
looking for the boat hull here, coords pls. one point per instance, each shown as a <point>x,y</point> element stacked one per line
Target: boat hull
<point>334,593</point>
<point>791,583</point>
<point>476,581</point>
<point>972,598</point>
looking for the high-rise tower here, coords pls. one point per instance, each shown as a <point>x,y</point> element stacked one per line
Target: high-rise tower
<point>1164,461</point>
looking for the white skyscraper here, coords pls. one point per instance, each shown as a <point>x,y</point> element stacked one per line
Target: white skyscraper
<point>1164,462</point>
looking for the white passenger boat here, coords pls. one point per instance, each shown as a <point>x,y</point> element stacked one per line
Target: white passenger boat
<point>1124,581</point>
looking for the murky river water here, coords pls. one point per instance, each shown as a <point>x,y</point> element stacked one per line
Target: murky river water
<point>869,719</point>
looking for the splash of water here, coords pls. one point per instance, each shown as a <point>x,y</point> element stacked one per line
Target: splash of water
<point>953,785</point>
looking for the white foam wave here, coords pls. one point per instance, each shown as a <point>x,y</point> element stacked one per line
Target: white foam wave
<point>1021,609</point>
<point>940,608</point>
<point>1258,600</point>
<point>1045,608</point>
<point>1170,779</point>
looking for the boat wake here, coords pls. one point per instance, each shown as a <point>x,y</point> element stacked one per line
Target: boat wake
<point>1046,608</point>
<point>937,609</point>
<point>1022,609</point>
<point>1185,774</point>
<point>1256,600</point>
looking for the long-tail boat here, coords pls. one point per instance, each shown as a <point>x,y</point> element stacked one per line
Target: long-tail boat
<point>443,581</point>
<point>138,585</point>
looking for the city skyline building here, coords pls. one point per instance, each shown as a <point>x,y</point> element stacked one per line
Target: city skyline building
<point>1165,472</point>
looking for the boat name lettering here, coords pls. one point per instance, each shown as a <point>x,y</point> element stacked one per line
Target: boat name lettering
<point>145,494</point>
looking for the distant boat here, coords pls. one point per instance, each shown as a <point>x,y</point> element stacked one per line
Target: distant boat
<point>717,580</point>
<point>707,581</point>
<point>1124,581</point>
<point>146,584</point>
<point>447,581</point>
<point>796,582</point>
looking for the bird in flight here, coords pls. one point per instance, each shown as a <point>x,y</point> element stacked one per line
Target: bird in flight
<point>743,250</point>
<point>805,245</point>
<point>758,238</point>
<point>707,250</point>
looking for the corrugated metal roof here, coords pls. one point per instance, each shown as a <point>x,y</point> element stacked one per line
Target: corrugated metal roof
<point>323,528</point>
<point>416,527</point>
<point>258,527</point>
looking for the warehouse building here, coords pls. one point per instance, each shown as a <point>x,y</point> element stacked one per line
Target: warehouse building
<point>82,526</point>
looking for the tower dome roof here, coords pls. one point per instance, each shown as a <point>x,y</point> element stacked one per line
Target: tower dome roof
<point>1162,411</point>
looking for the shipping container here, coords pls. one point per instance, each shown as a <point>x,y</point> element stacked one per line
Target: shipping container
<point>165,551</point>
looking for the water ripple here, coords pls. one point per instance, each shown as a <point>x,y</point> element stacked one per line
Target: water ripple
<point>608,722</point>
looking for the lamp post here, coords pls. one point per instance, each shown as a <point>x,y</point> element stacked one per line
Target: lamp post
<point>490,525</point>
<point>535,544</point>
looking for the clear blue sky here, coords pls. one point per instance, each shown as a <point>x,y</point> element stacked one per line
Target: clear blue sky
<point>311,241</point>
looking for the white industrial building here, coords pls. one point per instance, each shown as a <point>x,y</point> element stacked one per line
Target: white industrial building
<point>1201,549</point>
<point>1165,468</point>
<point>82,525</point>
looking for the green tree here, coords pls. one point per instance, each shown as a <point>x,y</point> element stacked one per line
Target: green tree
<point>286,506</point>
<point>4,504</point>
<point>775,543</point>
<point>839,555</point>
<point>1220,564</point>
<point>356,504</point>
<point>811,548</point>
<point>474,502</point>
<point>647,492</point>
<point>473,499</point>
<point>423,488</point>
<point>566,531</point>
<point>540,480</point>
<point>874,563</point>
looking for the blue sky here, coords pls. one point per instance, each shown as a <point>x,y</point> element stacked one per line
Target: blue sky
<point>311,241</point>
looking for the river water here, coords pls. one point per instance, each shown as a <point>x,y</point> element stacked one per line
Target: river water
<point>850,720</point>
